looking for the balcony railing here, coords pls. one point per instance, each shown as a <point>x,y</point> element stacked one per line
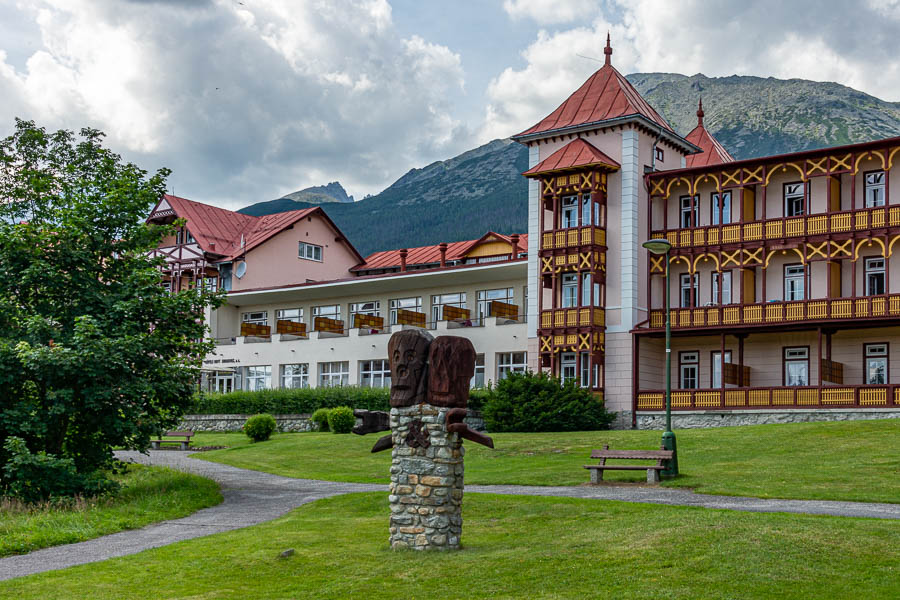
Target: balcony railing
<point>573,237</point>
<point>778,313</point>
<point>573,317</point>
<point>861,396</point>
<point>783,227</point>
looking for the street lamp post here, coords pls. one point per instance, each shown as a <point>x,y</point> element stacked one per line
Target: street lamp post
<point>662,247</point>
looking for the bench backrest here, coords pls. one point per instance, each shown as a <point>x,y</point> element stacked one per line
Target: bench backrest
<point>180,433</point>
<point>633,454</point>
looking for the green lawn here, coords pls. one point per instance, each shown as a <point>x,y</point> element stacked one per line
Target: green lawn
<point>148,494</point>
<point>854,460</point>
<point>515,547</point>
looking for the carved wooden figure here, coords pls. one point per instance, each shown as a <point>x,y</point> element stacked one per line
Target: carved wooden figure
<point>408,352</point>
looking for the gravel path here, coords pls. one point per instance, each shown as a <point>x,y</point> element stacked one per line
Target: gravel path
<point>252,497</point>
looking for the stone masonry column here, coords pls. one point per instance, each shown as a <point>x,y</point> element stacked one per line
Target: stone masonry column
<point>426,480</point>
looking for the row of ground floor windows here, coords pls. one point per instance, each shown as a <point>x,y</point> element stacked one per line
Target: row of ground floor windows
<point>372,373</point>
<point>795,370</point>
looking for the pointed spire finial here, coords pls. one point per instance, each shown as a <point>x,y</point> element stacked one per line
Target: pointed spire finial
<point>700,114</point>
<point>608,50</point>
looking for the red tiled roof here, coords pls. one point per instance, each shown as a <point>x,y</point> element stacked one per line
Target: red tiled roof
<point>577,153</point>
<point>431,254</point>
<point>713,153</point>
<point>605,95</point>
<point>225,228</point>
<point>212,224</point>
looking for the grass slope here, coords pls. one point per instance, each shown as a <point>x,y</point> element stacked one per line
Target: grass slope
<point>148,495</point>
<point>514,548</point>
<point>854,460</point>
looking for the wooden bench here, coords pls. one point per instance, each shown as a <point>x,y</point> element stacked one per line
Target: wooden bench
<point>660,456</point>
<point>169,438</point>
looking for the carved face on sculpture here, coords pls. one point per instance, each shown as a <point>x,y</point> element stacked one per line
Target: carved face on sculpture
<point>408,353</point>
<point>451,362</point>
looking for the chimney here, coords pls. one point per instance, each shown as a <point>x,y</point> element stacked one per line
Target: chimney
<point>403,253</point>
<point>212,245</point>
<point>514,242</point>
<point>443,248</point>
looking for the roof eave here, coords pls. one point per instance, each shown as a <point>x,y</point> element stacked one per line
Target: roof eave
<point>668,134</point>
<point>610,168</point>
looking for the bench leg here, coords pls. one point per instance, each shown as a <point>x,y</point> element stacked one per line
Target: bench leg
<point>184,445</point>
<point>652,476</point>
<point>154,445</point>
<point>596,475</point>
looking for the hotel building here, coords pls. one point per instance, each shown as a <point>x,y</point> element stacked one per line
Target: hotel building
<point>780,276</point>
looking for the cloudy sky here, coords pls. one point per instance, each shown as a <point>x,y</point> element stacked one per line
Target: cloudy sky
<point>246,100</point>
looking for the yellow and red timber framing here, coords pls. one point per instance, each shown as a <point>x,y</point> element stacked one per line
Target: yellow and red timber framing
<point>746,245</point>
<point>573,250</point>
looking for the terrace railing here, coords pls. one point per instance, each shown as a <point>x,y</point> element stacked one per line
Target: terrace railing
<point>573,237</point>
<point>841,396</point>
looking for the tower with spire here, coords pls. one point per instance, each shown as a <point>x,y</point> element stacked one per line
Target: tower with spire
<point>587,215</point>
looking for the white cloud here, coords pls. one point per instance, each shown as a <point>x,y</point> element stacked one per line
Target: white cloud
<point>852,46</point>
<point>242,101</point>
<point>548,12</point>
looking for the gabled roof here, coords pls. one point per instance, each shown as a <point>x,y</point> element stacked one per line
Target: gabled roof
<point>208,224</point>
<point>225,229</point>
<point>424,255</point>
<point>577,153</point>
<point>604,96</point>
<point>713,153</point>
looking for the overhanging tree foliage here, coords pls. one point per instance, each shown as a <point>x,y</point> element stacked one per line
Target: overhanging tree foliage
<point>94,353</point>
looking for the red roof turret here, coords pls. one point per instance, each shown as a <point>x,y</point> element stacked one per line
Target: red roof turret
<point>713,153</point>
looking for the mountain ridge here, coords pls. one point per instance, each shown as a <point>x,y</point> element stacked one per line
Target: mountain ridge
<point>482,189</point>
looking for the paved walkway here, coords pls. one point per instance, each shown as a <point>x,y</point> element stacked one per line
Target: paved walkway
<point>252,497</point>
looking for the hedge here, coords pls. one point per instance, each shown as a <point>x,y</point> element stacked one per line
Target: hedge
<point>303,400</point>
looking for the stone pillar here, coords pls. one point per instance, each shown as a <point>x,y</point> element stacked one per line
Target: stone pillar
<point>426,480</point>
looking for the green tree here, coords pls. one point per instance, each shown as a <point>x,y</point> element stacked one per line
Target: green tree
<point>94,353</point>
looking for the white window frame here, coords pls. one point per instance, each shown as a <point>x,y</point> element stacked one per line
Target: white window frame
<point>874,189</point>
<point>568,290</point>
<point>876,359</point>
<point>685,289</point>
<point>685,218</point>
<point>334,374</point>
<point>585,210</point>
<point>438,301</point>
<point>295,376</point>
<point>584,369</point>
<point>486,296</point>
<point>726,207</point>
<point>375,373</point>
<point>329,311</point>
<point>872,269</point>
<point>289,314</point>
<point>256,317</point>
<point>689,370</point>
<point>794,274</point>
<point>478,378</point>
<point>717,367</point>
<point>413,303</point>
<point>726,287</point>
<point>372,308</point>
<point>223,382</point>
<point>796,366</point>
<point>568,214</point>
<point>257,377</point>
<point>794,193</point>
<point>568,367</point>
<point>308,251</point>
<point>511,362</point>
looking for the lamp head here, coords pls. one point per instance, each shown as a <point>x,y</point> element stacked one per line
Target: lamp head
<point>658,246</point>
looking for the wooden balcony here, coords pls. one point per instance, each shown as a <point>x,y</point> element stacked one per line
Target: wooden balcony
<point>843,396</point>
<point>573,317</point>
<point>782,228</point>
<point>779,313</point>
<point>574,237</point>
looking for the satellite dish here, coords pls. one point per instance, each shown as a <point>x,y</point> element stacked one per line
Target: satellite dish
<point>241,270</point>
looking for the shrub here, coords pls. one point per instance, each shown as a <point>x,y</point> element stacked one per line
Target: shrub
<point>477,397</point>
<point>341,419</point>
<point>320,418</point>
<point>539,402</point>
<point>35,477</point>
<point>290,401</point>
<point>259,428</point>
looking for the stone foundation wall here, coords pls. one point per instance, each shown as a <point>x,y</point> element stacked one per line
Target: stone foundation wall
<point>426,480</point>
<point>285,423</point>
<point>698,419</point>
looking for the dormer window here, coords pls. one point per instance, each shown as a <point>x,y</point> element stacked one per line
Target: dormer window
<point>310,252</point>
<point>183,236</point>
